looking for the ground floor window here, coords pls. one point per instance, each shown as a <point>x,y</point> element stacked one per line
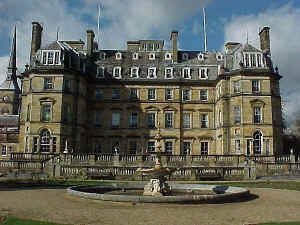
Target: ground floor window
<point>169,147</point>
<point>238,146</point>
<point>4,150</point>
<point>45,141</point>
<point>132,147</point>
<point>257,143</point>
<point>151,147</point>
<point>186,148</point>
<point>204,148</point>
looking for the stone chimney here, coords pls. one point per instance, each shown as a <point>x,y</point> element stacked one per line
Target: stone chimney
<point>36,39</point>
<point>90,42</point>
<point>265,40</point>
<point>174,45</point>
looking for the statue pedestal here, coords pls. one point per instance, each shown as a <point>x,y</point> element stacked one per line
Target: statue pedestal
<point>157,188</point>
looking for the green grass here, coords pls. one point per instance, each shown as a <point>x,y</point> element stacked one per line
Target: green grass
<point>17,221</point>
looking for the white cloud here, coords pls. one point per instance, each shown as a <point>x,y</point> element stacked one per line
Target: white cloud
<point>285,45</point>
<point>124,20</point>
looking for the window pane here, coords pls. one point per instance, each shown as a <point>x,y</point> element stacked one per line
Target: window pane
<point>186,148</point>
<point>169,94</point>
<point>169,120</point>
<point>115,122</point>
<point>257,115</point>
<point>237,146</point>
<point>236,86</point>
<point>116,94</point>
<point>132,147</point>
<point>48,84</point>
<point>203,95</point>
<point>56,57</point>
<point>151,94</point>
<point>97,119</point>
<point>169,147</point>
<point>186,120</point>
<point>186,95</point>
<point>204,148</point>
<point>133,94</point>
<point>133,120</point>
<point>151,146</point>
<point>50,58</point>
<point>237,114</point>
<point>151,120</point>
<point>255,86</point>
<point>204,121</point>
<point>98,94</point>
<point>46,113</point>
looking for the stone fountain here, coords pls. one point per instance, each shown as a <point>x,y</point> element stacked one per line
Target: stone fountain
<point>157,185</point>
<point>157,190</point>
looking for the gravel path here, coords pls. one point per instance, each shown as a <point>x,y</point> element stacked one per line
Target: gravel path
<point>56,206</point>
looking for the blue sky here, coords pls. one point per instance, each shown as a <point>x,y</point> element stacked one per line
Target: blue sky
<point>123,20</point>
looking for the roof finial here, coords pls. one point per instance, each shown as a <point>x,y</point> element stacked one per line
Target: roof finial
<point>57,33</point>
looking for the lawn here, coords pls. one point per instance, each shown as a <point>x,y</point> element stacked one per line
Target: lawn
<point>17,221</point>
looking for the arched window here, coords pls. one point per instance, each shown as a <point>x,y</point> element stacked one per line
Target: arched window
<point>45,141</point>
<point>257,143</point>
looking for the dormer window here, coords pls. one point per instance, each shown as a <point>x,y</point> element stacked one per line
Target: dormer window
<point>134,72</point>
<point>135,56</point>
<point>118,55</point>
<point>51,57</point>
<point>100,72</point>
<point>168,56</point>
<point>117,72</point>
<point>185,56</point>
<point>102,55</point>
<point>186,73</point>
<point>219,57</point>
<point>201,56</point>
<point>253,59</point>
<point>152,72</point>
<point>152,56</point>
<point>168,73</point>
<point>203,73</point>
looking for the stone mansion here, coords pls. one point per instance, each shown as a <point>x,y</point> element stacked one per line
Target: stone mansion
<point>96,101</point>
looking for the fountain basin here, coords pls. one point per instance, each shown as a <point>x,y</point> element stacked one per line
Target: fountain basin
<point>180,193</point>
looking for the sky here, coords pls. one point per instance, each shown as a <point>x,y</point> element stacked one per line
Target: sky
<point>123,20</point>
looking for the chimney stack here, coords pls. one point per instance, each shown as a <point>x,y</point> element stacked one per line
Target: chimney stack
<point>90,42</point>
<point>174,45</point>
<point>36,39</point>
<point>265,40</point>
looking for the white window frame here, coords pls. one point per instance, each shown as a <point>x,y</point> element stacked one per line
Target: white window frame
<point>137,93</point>
<point>171,113</point>
<point>120,72</point>
<point>184,151</point>
<point>183,94</point>
<point>155,117</point>
<point>152,56</point>
<point>98,72</point>
<point>3,150</point>
<point>205,121</point>
<point>258,86</point>
<point>171,73</point>
<point>257,113</point>
<point>188,69</point>
<point>237,146</point>
<point>154,73</point>
<point>148,90</point>
<point>168,56</point>
<point>205,73</point>
<point>54,57</point>
<point>118,56</point>
<point>135,56</point>
<point>187,124</point>
<point>207,147</point>
<point>169,141</point>
<point>204,100</point>
<point>172,94</point>
<point>236,86</point>
<point>137,72</point>
<point>200,57</point>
